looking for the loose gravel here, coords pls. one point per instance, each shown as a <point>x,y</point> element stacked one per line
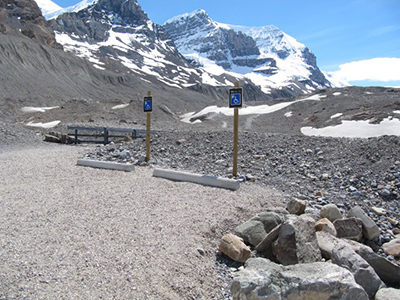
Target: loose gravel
<point>320,170</point>
<point>72,232</point>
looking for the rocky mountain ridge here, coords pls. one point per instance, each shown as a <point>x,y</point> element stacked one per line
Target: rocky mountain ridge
<point>282,61</point>
<point>23,18</point>
<point>118,35</point>
<point>266,59</point>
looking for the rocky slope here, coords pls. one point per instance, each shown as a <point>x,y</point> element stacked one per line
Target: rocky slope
<point>35,71</point>
<point>23,18</point>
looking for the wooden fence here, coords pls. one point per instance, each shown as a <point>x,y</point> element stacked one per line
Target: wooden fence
<point>101,135</point>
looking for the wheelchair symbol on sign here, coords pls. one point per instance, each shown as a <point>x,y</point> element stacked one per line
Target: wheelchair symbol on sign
<point>235,99</point>
<point>147,105</point>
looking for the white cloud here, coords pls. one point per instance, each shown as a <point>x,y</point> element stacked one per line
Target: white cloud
<point>376,69</point>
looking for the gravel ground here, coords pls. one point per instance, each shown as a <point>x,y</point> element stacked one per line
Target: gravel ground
<point>346,172</point>
<point>70,232</point>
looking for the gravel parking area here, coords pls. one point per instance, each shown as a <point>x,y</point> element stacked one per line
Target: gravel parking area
<point>71,232</point>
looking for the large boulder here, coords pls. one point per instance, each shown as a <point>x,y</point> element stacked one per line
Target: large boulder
<point>263,279</point>
<point>327,243</point>
<point>265,247</point>
<point>254,230</point>
<point>369,228</point>
<point>297,242</point>
<point>364,274</point>
<point>350,228</point>
<point>388,272</point>
<point>387,294</point>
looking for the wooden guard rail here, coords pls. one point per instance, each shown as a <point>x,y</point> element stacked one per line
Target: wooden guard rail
<point>100,135</point>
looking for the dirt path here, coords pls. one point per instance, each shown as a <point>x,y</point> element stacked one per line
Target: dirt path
<point>70,232</point>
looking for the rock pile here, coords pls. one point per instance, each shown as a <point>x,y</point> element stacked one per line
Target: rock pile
<point>289,250</point>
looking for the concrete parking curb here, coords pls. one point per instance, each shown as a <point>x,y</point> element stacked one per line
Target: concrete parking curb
<point>214,181</point>
<point>106,165</point>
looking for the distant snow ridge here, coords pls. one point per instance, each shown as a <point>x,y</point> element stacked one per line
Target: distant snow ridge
<point>266,55</point>
<point>47,7</point>
<point>50,10</point>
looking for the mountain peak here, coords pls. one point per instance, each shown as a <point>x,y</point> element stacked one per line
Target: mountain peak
<point>198,14</point>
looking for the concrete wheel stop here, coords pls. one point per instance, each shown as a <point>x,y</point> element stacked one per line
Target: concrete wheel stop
<point>106,165</point>
<point>214,181</point>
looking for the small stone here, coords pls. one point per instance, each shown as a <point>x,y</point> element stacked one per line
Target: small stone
<point>296,206</point>
<point>392,248</point>
<point>396,231</point>
<point>180,142</point>
<point>233,246</point>
<point>385,193</point>
<point>378,210</point>
<point>325,225</point>
<point>250,178</point>
<point>392,221</point>
<point>201,251</point>
<point>331,212</point>
<point>324,177</point>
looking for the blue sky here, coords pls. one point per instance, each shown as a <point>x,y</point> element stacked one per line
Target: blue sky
<point>339,32</point>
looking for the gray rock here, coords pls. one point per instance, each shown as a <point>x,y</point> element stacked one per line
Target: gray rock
<point>265,247</point>
<point>252,232</point>
<point>369,228</point>
<point>124,154</point>
<point>263,279</point>
<point>386,270</point>
<point>364,274</point>
<point>385,193</point>
<point>327,242</point>
<point>296,206</point>
<point>297,242</point>
<point>387,294</point>
<point>350,228</point>
<point>270,220</point>
<point>331,212</point>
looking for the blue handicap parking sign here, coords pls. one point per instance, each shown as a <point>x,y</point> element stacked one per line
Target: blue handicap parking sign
<point>148,104</point>
<point>235,97</point>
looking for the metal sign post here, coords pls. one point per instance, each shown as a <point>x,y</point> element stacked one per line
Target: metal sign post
<point>235,101</point>
<point>148,107</point>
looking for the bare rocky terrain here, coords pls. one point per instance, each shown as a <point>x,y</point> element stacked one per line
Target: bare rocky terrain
<point>70,232</point>
<point>87,233</point>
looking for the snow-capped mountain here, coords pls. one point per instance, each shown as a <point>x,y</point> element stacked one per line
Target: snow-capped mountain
<point>117,35</point>
<point>265,55</point>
